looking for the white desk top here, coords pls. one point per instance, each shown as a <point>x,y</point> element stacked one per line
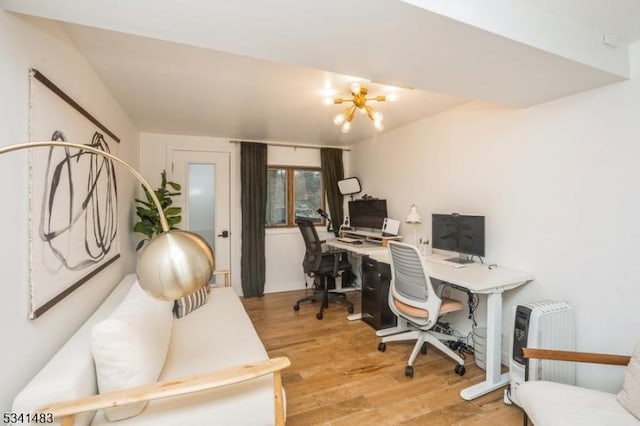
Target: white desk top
<point>475,276</point>
<point>365,249</point>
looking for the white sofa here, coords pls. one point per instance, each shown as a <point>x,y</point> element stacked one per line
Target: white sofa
<point>215,336</point>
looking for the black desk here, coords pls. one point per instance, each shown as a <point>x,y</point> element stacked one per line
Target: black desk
<point>376,277</point>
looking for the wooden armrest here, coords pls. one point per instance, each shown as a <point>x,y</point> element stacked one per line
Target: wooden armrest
<point>175,387</point>
<point>227,276</point>
<point>576,356</point>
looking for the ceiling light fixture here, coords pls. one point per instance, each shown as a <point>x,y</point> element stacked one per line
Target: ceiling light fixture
<point>359,100</point>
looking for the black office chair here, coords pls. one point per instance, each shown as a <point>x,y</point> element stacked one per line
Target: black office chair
<point>322,265</point>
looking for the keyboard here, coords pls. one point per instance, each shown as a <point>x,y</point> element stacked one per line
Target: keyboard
<point>348,239</point>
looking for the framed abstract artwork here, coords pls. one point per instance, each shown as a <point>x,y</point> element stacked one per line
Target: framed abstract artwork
<point>73,196</point>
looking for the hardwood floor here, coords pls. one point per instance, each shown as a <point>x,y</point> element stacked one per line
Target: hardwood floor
<point>338,377</point>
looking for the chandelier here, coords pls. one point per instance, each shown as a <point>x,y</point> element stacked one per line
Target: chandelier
<point>359,102</point>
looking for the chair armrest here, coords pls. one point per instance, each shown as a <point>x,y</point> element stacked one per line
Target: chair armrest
<point>590,357</point>
<point>227,276</point>
<point>175,387</point>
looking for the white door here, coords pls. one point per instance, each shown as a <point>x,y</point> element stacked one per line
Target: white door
<point>204,176</point>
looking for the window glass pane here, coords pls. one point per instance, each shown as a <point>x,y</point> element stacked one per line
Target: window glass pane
<point>201,202</point>
<point>307,193</point>
<point>276,197</point>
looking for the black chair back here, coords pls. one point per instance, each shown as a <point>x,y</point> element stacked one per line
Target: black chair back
<point>313,246</point>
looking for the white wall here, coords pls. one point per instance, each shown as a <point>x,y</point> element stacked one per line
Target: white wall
<point>26,43</point>
<point>558,184</point>
<point>284,247</point>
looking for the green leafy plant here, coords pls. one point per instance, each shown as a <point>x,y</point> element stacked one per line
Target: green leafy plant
<point>149,223</point>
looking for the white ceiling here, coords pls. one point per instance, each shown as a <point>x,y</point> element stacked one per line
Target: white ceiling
<point>172,88</point>
<point>257,70</point>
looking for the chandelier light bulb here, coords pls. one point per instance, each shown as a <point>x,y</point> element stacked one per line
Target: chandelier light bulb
<point>338,119</point>
<point>362,110</point>
<point>394,96</point>
<point>377,116</point>
<point>378,125</point>
<point>346,126</point>
<point>355,88</point>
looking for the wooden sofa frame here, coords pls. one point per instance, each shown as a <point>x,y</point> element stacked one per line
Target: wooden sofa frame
<point>66,411</point>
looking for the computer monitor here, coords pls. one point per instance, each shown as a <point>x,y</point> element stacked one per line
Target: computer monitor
<point>369,213</point>
<point>459,233</point>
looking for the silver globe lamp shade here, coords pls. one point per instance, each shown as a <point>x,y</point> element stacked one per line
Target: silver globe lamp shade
<point>174,263</point>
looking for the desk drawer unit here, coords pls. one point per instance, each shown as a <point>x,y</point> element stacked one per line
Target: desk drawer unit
<point>375,292</point>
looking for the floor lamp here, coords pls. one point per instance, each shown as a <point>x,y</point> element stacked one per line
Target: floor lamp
<point>174,263</point>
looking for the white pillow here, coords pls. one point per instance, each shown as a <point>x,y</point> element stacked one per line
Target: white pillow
<point>629,396</point>
<point>130,346</point>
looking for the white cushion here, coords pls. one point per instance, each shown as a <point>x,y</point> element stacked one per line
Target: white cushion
<point>557,404</point>
<point>130,347</point>
<point>629,396</point>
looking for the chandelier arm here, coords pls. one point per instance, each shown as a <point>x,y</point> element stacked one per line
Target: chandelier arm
<point>351,113</point>
<point>369,112</point>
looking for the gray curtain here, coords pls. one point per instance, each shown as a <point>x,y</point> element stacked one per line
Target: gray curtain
<point>253,201</point>
<point>332,172</point>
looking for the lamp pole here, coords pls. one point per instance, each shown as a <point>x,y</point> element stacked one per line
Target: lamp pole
<point>174,263</point>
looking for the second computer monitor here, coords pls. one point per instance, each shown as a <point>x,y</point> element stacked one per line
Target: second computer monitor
<point>459,233</point>
<point>367,213</point>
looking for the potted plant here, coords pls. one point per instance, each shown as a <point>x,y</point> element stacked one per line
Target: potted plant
<point>149,223</point>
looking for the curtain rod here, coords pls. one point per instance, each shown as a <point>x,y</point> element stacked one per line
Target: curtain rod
<point>288,145</point>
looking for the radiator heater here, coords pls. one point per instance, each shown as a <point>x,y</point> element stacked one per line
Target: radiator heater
<point>545,324</point>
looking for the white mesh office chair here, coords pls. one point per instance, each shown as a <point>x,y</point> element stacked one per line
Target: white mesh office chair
<point>411,296</point>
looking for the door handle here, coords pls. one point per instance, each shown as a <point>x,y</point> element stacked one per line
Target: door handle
<point>224,234</point>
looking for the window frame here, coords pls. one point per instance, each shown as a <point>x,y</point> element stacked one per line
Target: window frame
<point>290,216</point>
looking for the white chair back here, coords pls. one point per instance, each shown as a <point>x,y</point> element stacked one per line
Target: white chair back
<point>411,285</point>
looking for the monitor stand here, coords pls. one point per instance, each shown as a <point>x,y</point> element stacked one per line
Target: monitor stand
<point>461,259</point>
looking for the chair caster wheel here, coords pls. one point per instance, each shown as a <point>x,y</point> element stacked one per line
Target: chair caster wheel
<point>423,349</point>
<point>319,316</point>
<point>382,346</point>
<point>296,308</point>
<point>408,371</point>
<point>350,309</point>
<point>454,345</point>
<point>460,370</point>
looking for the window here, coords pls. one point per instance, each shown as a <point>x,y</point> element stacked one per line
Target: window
<point>293,192</point>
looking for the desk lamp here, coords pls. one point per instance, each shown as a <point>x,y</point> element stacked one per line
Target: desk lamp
<point>414,218</point>
<point>174,263</point>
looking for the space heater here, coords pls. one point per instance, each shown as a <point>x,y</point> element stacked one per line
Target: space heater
<point>545,324</point>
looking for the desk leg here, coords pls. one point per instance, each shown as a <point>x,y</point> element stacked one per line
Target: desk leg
<point>493,378</point>
<point>354,317</point>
